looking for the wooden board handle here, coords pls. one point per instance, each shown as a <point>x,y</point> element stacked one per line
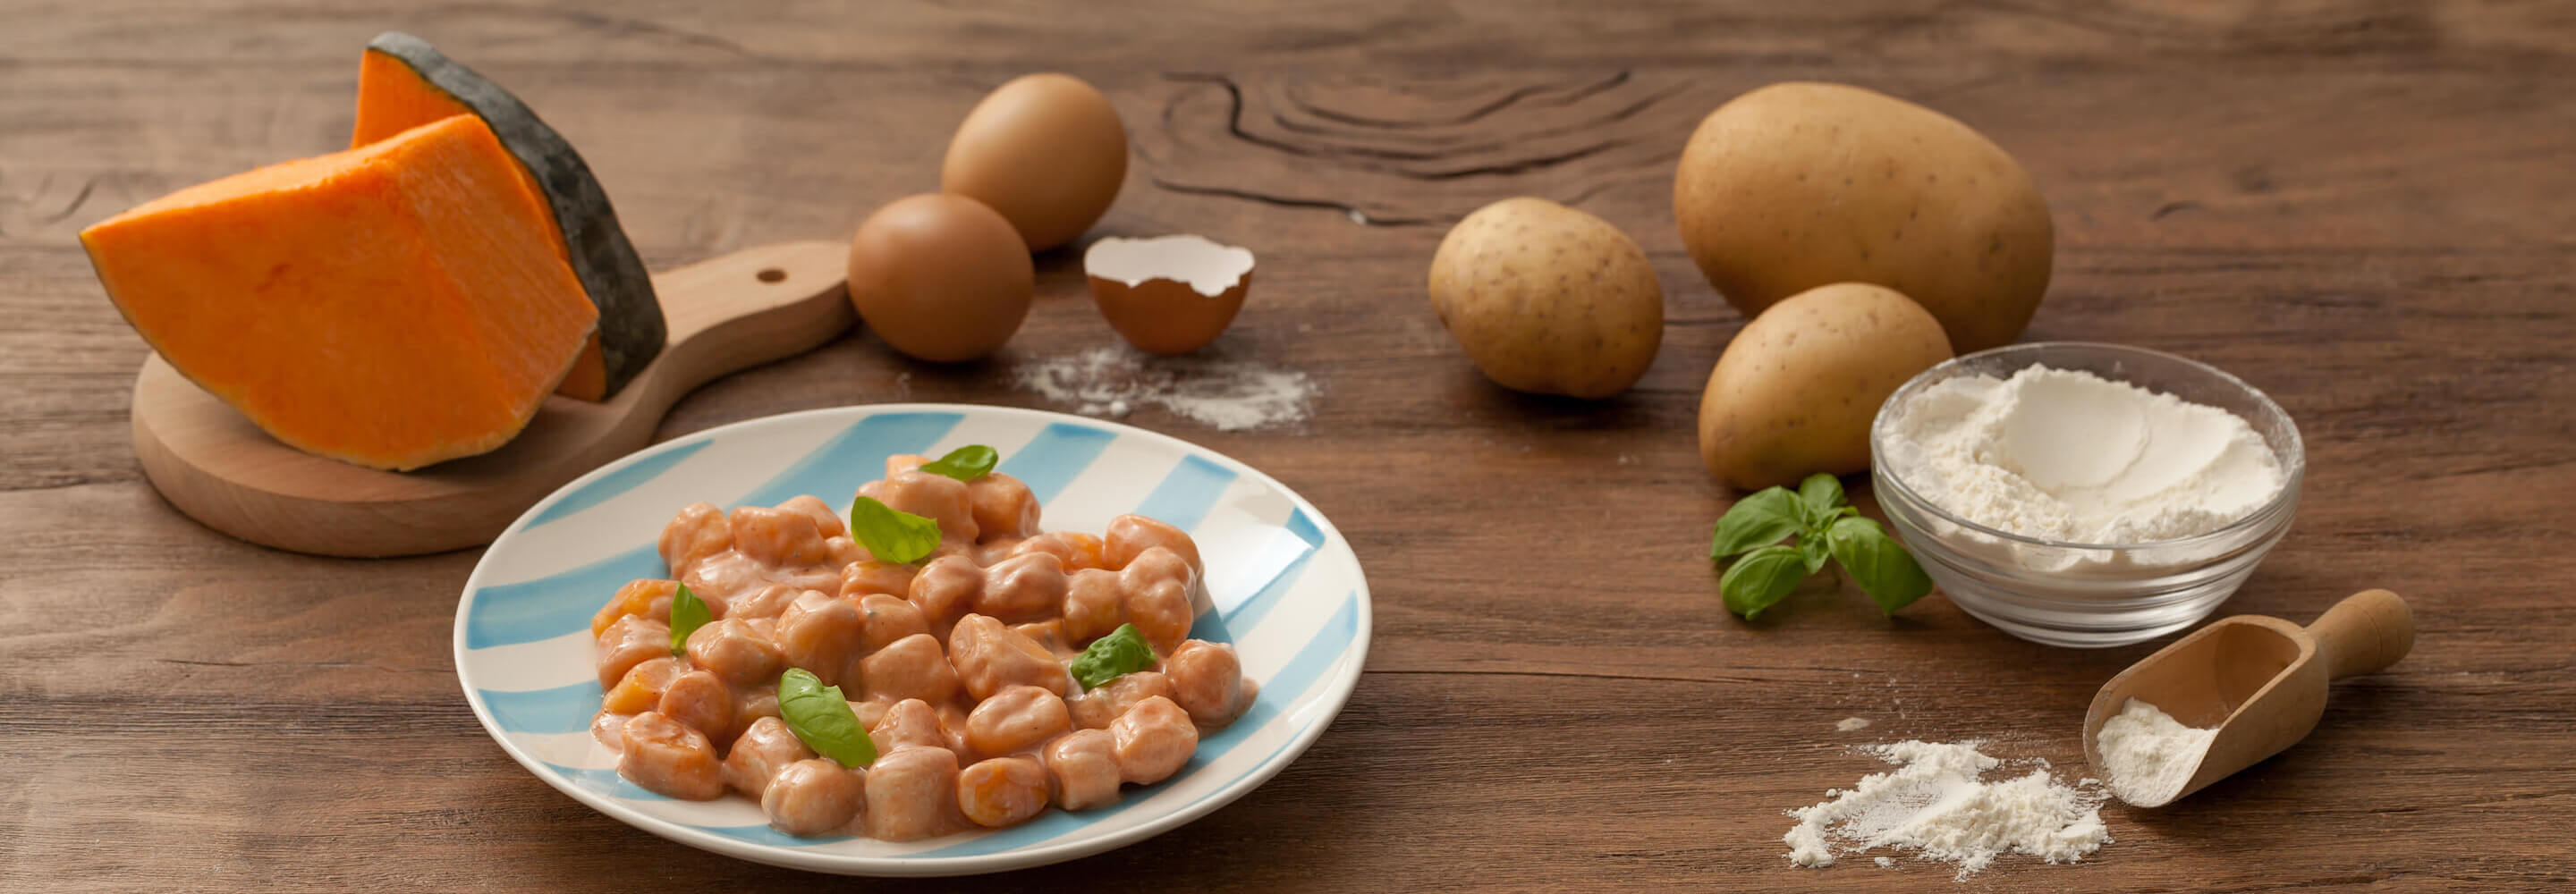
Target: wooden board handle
<point>2365,633</point>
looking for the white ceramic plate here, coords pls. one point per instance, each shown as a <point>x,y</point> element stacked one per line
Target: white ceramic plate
<point>1287,592</point>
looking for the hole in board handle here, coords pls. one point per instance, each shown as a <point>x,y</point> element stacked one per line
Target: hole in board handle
<point>772,274</point>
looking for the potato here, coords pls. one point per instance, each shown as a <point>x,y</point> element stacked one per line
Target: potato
<point>1796,390</point>
<point>1794,186</point>
<point>1548,300</point>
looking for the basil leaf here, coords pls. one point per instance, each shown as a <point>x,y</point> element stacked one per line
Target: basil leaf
<point>1818,496</point>
<point>819,716</point>
<point>1120,653</point>
<point>688,614</point>
<point>1757,520</point>
<point>1761,579</point>
<point>1879,564</point>
<point>1814,551</point>
<point>964,463</point>
<point>890,534</point>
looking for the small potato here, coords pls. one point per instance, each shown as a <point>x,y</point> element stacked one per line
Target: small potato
<point>1796,390</point>
<point>1548,300</point>
<point>1795,186</point>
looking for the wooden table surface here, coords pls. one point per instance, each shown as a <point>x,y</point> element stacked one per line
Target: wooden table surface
<point>2364,208</point>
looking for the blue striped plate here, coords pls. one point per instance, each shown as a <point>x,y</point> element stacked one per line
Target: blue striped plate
<point>1287,591</point>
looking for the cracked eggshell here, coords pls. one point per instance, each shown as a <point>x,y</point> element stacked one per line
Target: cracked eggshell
<point>1169,294</point>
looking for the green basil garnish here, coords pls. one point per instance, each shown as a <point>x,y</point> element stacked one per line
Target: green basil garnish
<point>688,614</point>
<point>890,534</point>
<point>964,463</point>
<point>1120,653</point>
<point>819,716</point>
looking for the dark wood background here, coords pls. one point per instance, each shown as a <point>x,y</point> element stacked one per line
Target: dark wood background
<point>2367,209</point>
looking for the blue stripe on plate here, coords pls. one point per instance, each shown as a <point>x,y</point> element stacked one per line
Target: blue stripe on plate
<point>1249,614</point>
<point>1305,528</point>
<point>763,834</point>
<point>606,781</point>
<point>1056,456</point>
<point>1184,497</point>
<point>554,605</point>
<point>856,456</point>
<point>563,709</point>
<point>618,482</point>
<point>1288,685</point>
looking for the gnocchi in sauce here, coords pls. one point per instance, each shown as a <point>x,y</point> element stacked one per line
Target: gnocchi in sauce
<point>956,666</point>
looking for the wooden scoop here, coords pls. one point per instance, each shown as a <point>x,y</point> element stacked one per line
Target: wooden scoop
<point>2260,680</point>
<point>750,307</point>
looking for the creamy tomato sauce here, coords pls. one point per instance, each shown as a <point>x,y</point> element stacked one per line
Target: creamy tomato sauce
<point>957,664</point>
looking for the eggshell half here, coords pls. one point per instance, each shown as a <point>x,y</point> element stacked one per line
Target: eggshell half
<point>1169,294</point>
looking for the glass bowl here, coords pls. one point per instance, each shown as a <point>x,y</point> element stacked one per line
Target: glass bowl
<point>2090,595</point>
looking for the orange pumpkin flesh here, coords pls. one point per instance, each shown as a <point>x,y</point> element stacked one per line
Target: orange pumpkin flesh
<point>403,82</point>
<point>393,305</point>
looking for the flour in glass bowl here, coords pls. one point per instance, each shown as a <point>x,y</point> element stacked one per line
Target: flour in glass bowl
<point>2069,456</point>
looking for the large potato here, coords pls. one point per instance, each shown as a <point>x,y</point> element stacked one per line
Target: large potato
<point>1547,299</point>
<point>1794,186</point>
<point>1796,390</point>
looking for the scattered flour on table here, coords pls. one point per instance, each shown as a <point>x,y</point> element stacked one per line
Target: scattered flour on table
<point>1936,803</point>
<point>1849,724</point>
<point>1887,862</point>
<point>1111,382</point>
<point>2149,755</point>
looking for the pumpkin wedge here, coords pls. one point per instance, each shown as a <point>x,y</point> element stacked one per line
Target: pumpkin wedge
<point>404,83</point>
<point>393,305</point>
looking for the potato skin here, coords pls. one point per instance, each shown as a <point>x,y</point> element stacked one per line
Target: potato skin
<point>1548,300</point>
<point>1793,186</point>
<point>1796,390</point>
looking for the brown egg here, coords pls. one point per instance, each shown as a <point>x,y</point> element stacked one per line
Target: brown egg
<point>941,277</point>
<point>1168,295</point>
<point>1045,150</point>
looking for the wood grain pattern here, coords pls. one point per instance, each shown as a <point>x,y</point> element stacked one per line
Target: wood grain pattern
<point>2357,206</point>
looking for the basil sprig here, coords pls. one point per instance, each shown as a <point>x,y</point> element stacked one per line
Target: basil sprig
<point>688,613</point>
<point>890,534</point>
<point>964,463</point>
<point>822,719</point>
<point>1120,653</point>
<point>1825,527</point>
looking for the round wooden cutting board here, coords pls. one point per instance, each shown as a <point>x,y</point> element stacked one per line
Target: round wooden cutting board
<point>747,308</point>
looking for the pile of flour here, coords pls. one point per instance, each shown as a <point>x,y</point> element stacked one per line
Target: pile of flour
<point>2073,457</point>
<point>2149,755</point>
<point>1937,803</point>
<point>1111,382</point>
